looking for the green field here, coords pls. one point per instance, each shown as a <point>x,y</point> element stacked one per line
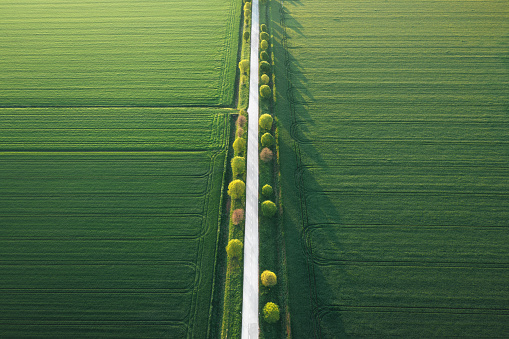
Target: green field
<point>113,142</point>
<point>395,164</point>
<point>63,53</point>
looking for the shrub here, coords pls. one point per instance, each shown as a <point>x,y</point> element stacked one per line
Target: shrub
<point>247,6</point>
<point>241,120</point>
<point>264,45</point>
<point>234,248</point>
<point>244,66</point>
<point>265,79</point>
<point>267,140</point>
<point>243,79</point>
<point>246,35</point>
<point>264,56</point>
<point>239,146</point>
<point>247,12</point>
<point>264,67</point>
<point>237,216</point>
<point>265,121</point>
<point>268,208</point>
<point>236,189</point>
<point>264,36</point>
<point>238,166</point>
<point>263,27</point>
<point>269,278</point>
<point>265,91</point>
<point>266,155</point>
<point>271,313</point>
<point>246,21</point>
<point>240,132</point>
<point>267,190</point>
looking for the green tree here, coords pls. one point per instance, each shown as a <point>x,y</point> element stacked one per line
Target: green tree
<point>263,27</point>
<point>264,56</point>
<point>267,191</point>
<point>267,140</point>
<point>244,66</point>
<point>236,189</point>
<point>264,67</point>
<point>268,278</point>
<point>265,91</point>
<point>265,79</point>
<point>264,36</point>
<point>265,121</point>
<point>264,45</point>
<point>271,312</point>
<point>239,146</point>
<point>246,35</point>
<point>238,166</point>
<point>268,208</point>
<point>234,248</point>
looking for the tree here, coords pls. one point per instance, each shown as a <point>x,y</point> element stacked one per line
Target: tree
<point>247,6</point>
<point>236,189</point>
<point>263,27</point>
<point>268,278</point>
<point>266,155</point>
<point>237,216</point>
<point>234,248</point>
<point>271,312</point>
<point>264,67</point>
<point>239,146</point>
<point>247,12</point>
<point>240,132</point>
<point>265,121</point>
<point>238,166</point>
<point>241,120</point>
<point>264,56</point>
<point>244,66</point>
<point>265,79</point>
<point>264,45</point>
<point>268,208</point>
<point>267,191</point>
<point>264,36</point>
<point>246,35</point>
<point>267,140</point>
<point>265,91</point>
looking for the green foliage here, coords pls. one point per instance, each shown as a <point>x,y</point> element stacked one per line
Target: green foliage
<point>264,56</point>
<point>238,166</point>
<point>265,121</point>
<point>246,35</point>
<point>264,45</point>
<point>268,278</point>
<point>247,12</point>
<point>239,146</point>
<point>271,313</point>
<point>264,36</point>
<point>269,208</point>
<point>234,249</point>
<point>264,67</point>
<point>264,79</point>
<point>244,66</point>
<point>265,91</point>
<point>267,140</point>
<point>247,6</point>
<point>263,28</point>
<point>236,189</point>
<point>267,191</point>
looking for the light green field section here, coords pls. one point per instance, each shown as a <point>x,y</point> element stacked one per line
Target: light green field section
<point>395,163</point>
<point>109,221</point>
<point>118,53</point>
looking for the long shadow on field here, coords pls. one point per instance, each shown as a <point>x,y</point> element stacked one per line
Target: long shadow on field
<point>310,286</point>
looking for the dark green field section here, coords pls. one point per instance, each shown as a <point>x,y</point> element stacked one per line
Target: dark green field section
<point>117,53</point>
<point>109,221</point>
<point>395,166</point>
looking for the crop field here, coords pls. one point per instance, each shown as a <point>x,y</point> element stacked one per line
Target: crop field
<point>395,164</point>
<point>62,53</point>
<point>114,132</point>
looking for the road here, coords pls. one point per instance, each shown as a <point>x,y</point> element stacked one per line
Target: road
<point>250,325</point>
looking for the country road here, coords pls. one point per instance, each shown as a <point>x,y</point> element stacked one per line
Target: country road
<point>250,325</point>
